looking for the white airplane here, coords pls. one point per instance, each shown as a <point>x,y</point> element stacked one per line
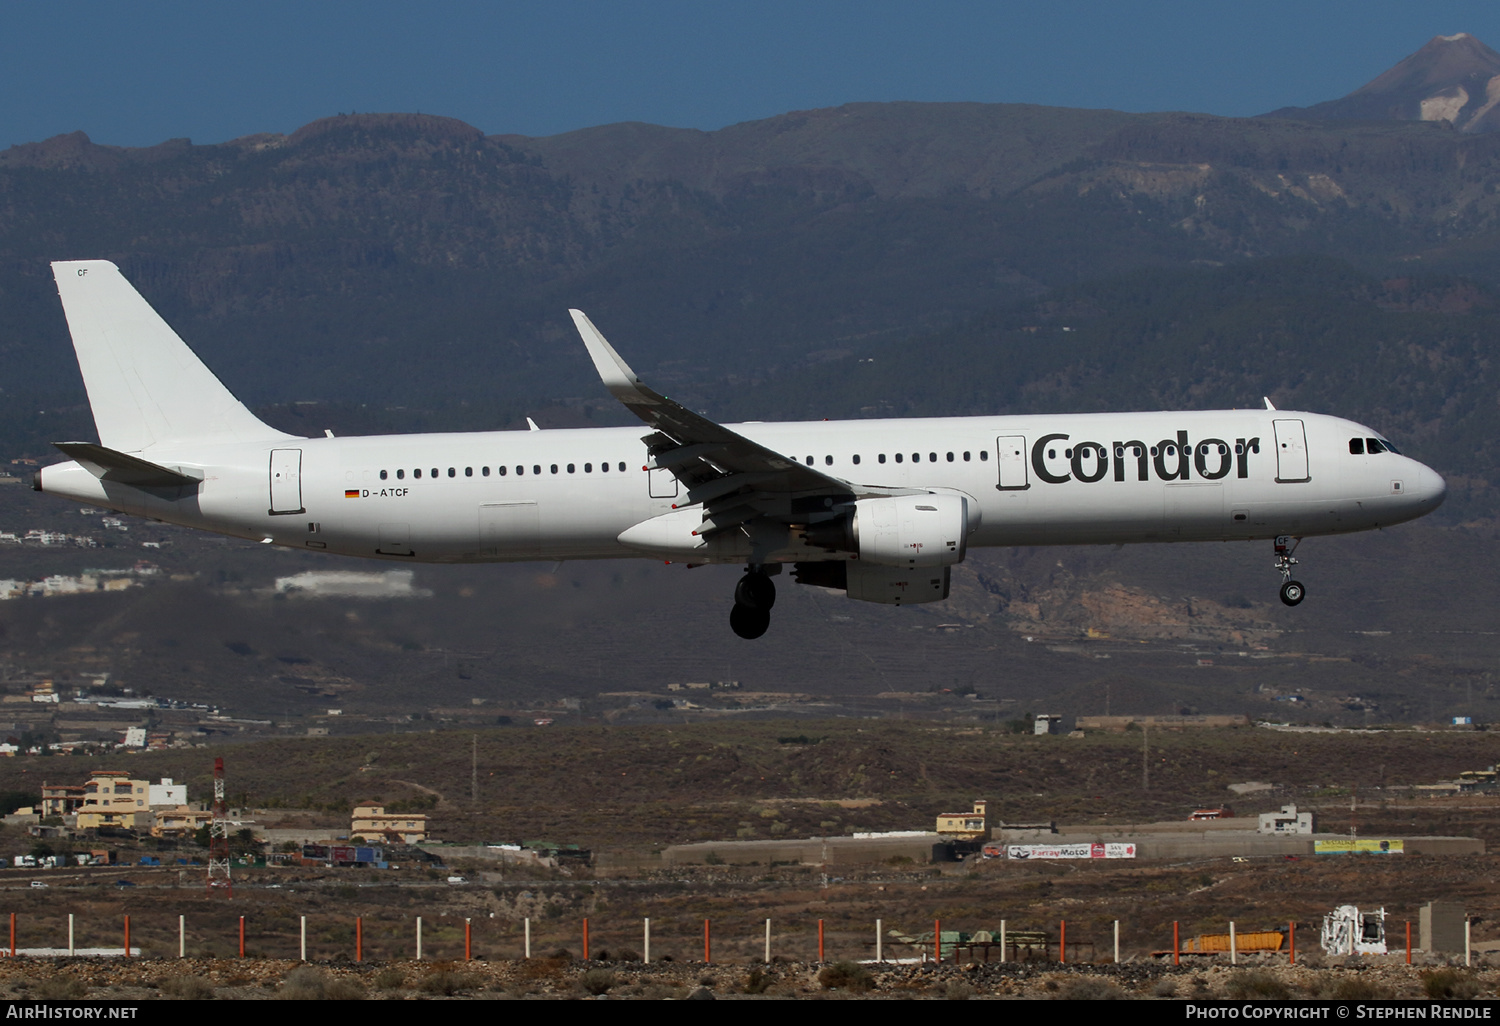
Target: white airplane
<point>882,509</point>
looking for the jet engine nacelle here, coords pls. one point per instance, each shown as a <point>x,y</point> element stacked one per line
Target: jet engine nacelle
<point>930,529</point>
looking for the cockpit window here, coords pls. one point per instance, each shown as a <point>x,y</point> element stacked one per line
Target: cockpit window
<point>1389,447</point>
<point>1372,446</point>
<point>1356,447</point>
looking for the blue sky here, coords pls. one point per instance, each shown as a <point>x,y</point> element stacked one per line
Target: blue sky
<point>138,73</point>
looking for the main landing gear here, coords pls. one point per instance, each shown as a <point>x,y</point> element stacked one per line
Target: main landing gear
<point>1292,592</point>
<point>754,596</point>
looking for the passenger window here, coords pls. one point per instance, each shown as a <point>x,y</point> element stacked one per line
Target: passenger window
<point>1372,446</point>
<point>417,473</point>
<point>828,461</point>
<point>520,471</point>
<point>898,457</point>
<point>950,457</point>
<point>554,468</point>
<point>536,468</point>
<point>916,457</point>
<point>434,471</point>
<point>809,461</point>
<point>382,475</point>
<point>984,454</point>
<point>451,472</point>
<point>1052,454</point>
<point>604,468</point>
<point>932,457</point>
<point>880,458</point>
<point>966,457</point>
<point>400,475</point>
<point>622,466</point>
<point>856,459</point>
<point>570,468</point>
<point>588,468</point>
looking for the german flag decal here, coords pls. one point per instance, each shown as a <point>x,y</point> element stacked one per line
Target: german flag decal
<point>351,493</point>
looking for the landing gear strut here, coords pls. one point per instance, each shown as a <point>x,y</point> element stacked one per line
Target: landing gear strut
<point>1292,592</point>
<point>754,596</point>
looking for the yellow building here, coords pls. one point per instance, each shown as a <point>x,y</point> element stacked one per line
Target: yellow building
<point>111,798</point>
<point>967,825</point>
<point>372,821</point>
<point>179,821</point>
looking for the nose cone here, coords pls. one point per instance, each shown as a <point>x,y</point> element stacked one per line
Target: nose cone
<point>1431,488</point>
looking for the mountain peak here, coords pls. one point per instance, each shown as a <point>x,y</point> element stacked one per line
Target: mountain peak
<point>1453,78</point>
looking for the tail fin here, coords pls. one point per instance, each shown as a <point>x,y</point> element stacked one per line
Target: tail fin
<point>145,386</point>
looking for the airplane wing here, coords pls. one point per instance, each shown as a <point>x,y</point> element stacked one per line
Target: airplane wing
<point>735,478</point>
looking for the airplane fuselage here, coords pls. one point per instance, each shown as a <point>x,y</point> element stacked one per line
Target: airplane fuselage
<point>570,494</point>
<point>879,509</point>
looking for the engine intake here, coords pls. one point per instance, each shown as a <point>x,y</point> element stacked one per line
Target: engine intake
<point>902,531</point>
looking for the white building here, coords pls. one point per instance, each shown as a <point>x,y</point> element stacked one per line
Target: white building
<point>166,793</point>
<point>1287,821</point>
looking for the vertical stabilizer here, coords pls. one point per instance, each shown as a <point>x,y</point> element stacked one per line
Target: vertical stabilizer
<point>145,386</point>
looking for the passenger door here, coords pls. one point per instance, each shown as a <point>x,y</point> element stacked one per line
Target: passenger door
<point>286,482</point>
<point>1291,452</point>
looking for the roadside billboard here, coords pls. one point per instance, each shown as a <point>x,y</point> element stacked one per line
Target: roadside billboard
<point>1094,850</point>
<point>1375,846</point>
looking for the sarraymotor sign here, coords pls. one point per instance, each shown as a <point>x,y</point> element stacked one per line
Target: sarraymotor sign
<point>1095,850</point>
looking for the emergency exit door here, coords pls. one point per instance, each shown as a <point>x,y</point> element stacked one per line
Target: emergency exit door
<point>1010,461</point>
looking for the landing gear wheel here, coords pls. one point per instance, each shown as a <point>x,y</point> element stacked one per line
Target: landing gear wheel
<point>1292,592</point>
<point>749,623</point>
<point>756,591</point>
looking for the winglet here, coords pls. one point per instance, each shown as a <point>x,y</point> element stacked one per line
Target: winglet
<point>616,374</point>
<point>1268,402</point>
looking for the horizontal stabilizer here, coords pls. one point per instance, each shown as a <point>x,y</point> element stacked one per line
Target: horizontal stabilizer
<point>109,465</point>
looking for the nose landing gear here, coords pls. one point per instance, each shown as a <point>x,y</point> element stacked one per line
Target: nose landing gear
<point>754,596</point>
<point>1292,592</point>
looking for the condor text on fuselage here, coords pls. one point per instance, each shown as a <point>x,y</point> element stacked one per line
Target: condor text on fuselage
<point>881,509</point>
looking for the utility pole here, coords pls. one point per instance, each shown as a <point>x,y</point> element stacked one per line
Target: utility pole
<point>474,772</point>
<point>1145,758</point>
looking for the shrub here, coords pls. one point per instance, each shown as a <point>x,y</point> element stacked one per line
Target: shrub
<point>188,988</point>
<point>1353,988</point>
<point>309,984</point>
<point>1090,990</point>
<point>850,976</point>
<point>448,983</point>
<point>1449,984</point>
<point>597,981</point>
<point>59,988</point>
<point>1258,986</point>
<point>389,979</point>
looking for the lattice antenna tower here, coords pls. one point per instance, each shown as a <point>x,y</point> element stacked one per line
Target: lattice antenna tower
<point>218,837</point>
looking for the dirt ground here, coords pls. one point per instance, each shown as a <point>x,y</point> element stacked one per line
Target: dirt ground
<point>560,978</point>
